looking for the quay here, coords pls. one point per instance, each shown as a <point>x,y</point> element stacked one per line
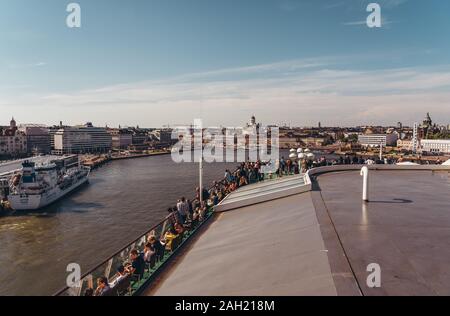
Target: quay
<point>96,161</point>
<point>133,156</point>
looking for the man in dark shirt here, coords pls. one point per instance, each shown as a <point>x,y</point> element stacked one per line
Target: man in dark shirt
<point>137,264</point>
<point>159,248</point>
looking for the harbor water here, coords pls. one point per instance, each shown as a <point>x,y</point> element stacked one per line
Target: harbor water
<point>123,199</point>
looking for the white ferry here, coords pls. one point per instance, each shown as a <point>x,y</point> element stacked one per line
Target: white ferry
<point>34,187</point>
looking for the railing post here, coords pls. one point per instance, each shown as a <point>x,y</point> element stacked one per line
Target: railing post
<point>108,268</point>
<point>365,174</point>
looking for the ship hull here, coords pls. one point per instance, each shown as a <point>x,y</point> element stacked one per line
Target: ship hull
<point>38,201</point>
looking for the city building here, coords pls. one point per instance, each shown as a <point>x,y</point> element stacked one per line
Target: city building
<point>82,139</point>
<point>439,146</point>
<point>52,130</point>
<point>427,129</point>
<point>163,135</point>
<point>374,140</point>
<point>121,138</point>
<point>38,138</point>
<point>12,141</point>
<point>139,136</point>
<point>405,144</point>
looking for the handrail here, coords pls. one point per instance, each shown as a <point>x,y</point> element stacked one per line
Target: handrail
<point>98,266</point>
<point>112,256</point>
<point>338,168</point>
<point>307,178</point>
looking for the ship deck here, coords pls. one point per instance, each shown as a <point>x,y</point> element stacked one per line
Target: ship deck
<point>321,242</point>
<point>11,166</point>
<point>405,228</point>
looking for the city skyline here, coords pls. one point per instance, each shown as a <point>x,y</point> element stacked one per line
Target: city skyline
<point>168,62</point>
<point>318,124</point>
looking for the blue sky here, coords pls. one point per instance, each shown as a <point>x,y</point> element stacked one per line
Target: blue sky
<point>153,62</point>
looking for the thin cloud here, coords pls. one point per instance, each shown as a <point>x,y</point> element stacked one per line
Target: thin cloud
<point>32,65</point>
<point>337,96</point>
<point>385,22</point>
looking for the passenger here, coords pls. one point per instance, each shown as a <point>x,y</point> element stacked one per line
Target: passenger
<point>190,209</point>
<point>179,228</point>
<point>136,269</point>
<point>158,247</point>
<point>202,211</point>
<point>102,287</point>
<point>228,176</point>
<point>242,181</point>
<point>149,252</point>
<point>121,274</point>
<point>215,199</point>
<point>170,235</point>
<point>205,194</point>
<point>183,210</point>
<point>173,216</point>
<point>196,217</point>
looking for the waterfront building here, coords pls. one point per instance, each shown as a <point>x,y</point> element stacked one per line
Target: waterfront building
<point>121,138</point>
<point>439,146</point>
<point>139,137</point>
<point>163,135</point>
<point>405,144</point>
<point>52,130</point>
<point>374,140</point>
<point>12,141</point>
<point>38,138</point>
<point>82,139</point>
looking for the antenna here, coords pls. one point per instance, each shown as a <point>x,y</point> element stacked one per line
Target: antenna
<point>415,141</point>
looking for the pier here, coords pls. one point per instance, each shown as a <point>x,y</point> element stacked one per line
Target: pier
<point>96,161</point>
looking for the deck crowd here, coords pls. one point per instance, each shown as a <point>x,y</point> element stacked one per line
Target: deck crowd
<point>188,214</point>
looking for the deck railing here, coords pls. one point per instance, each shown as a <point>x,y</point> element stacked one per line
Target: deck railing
<point>108,267</point>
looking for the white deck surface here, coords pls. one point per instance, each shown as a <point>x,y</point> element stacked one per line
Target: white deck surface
<point>272,248</point>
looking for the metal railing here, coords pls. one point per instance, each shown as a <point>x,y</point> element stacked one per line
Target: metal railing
<point>108,267</point>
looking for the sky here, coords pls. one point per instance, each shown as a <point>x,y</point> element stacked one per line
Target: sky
<point>157,62</point>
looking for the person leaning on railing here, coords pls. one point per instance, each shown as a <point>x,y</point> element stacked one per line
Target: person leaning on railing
<point>102,287</point>
<point>158,247</point>
<point>121,275</point>
<point>137,266</point>
<point>149,252</point>
<point>169,237</point>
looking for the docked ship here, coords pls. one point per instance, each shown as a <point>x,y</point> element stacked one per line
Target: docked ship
<point>36,186</point>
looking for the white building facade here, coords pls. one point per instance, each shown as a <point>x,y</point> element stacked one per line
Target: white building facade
<point>375,140</point>
<point>82,139</point>
<point>441,146</point>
